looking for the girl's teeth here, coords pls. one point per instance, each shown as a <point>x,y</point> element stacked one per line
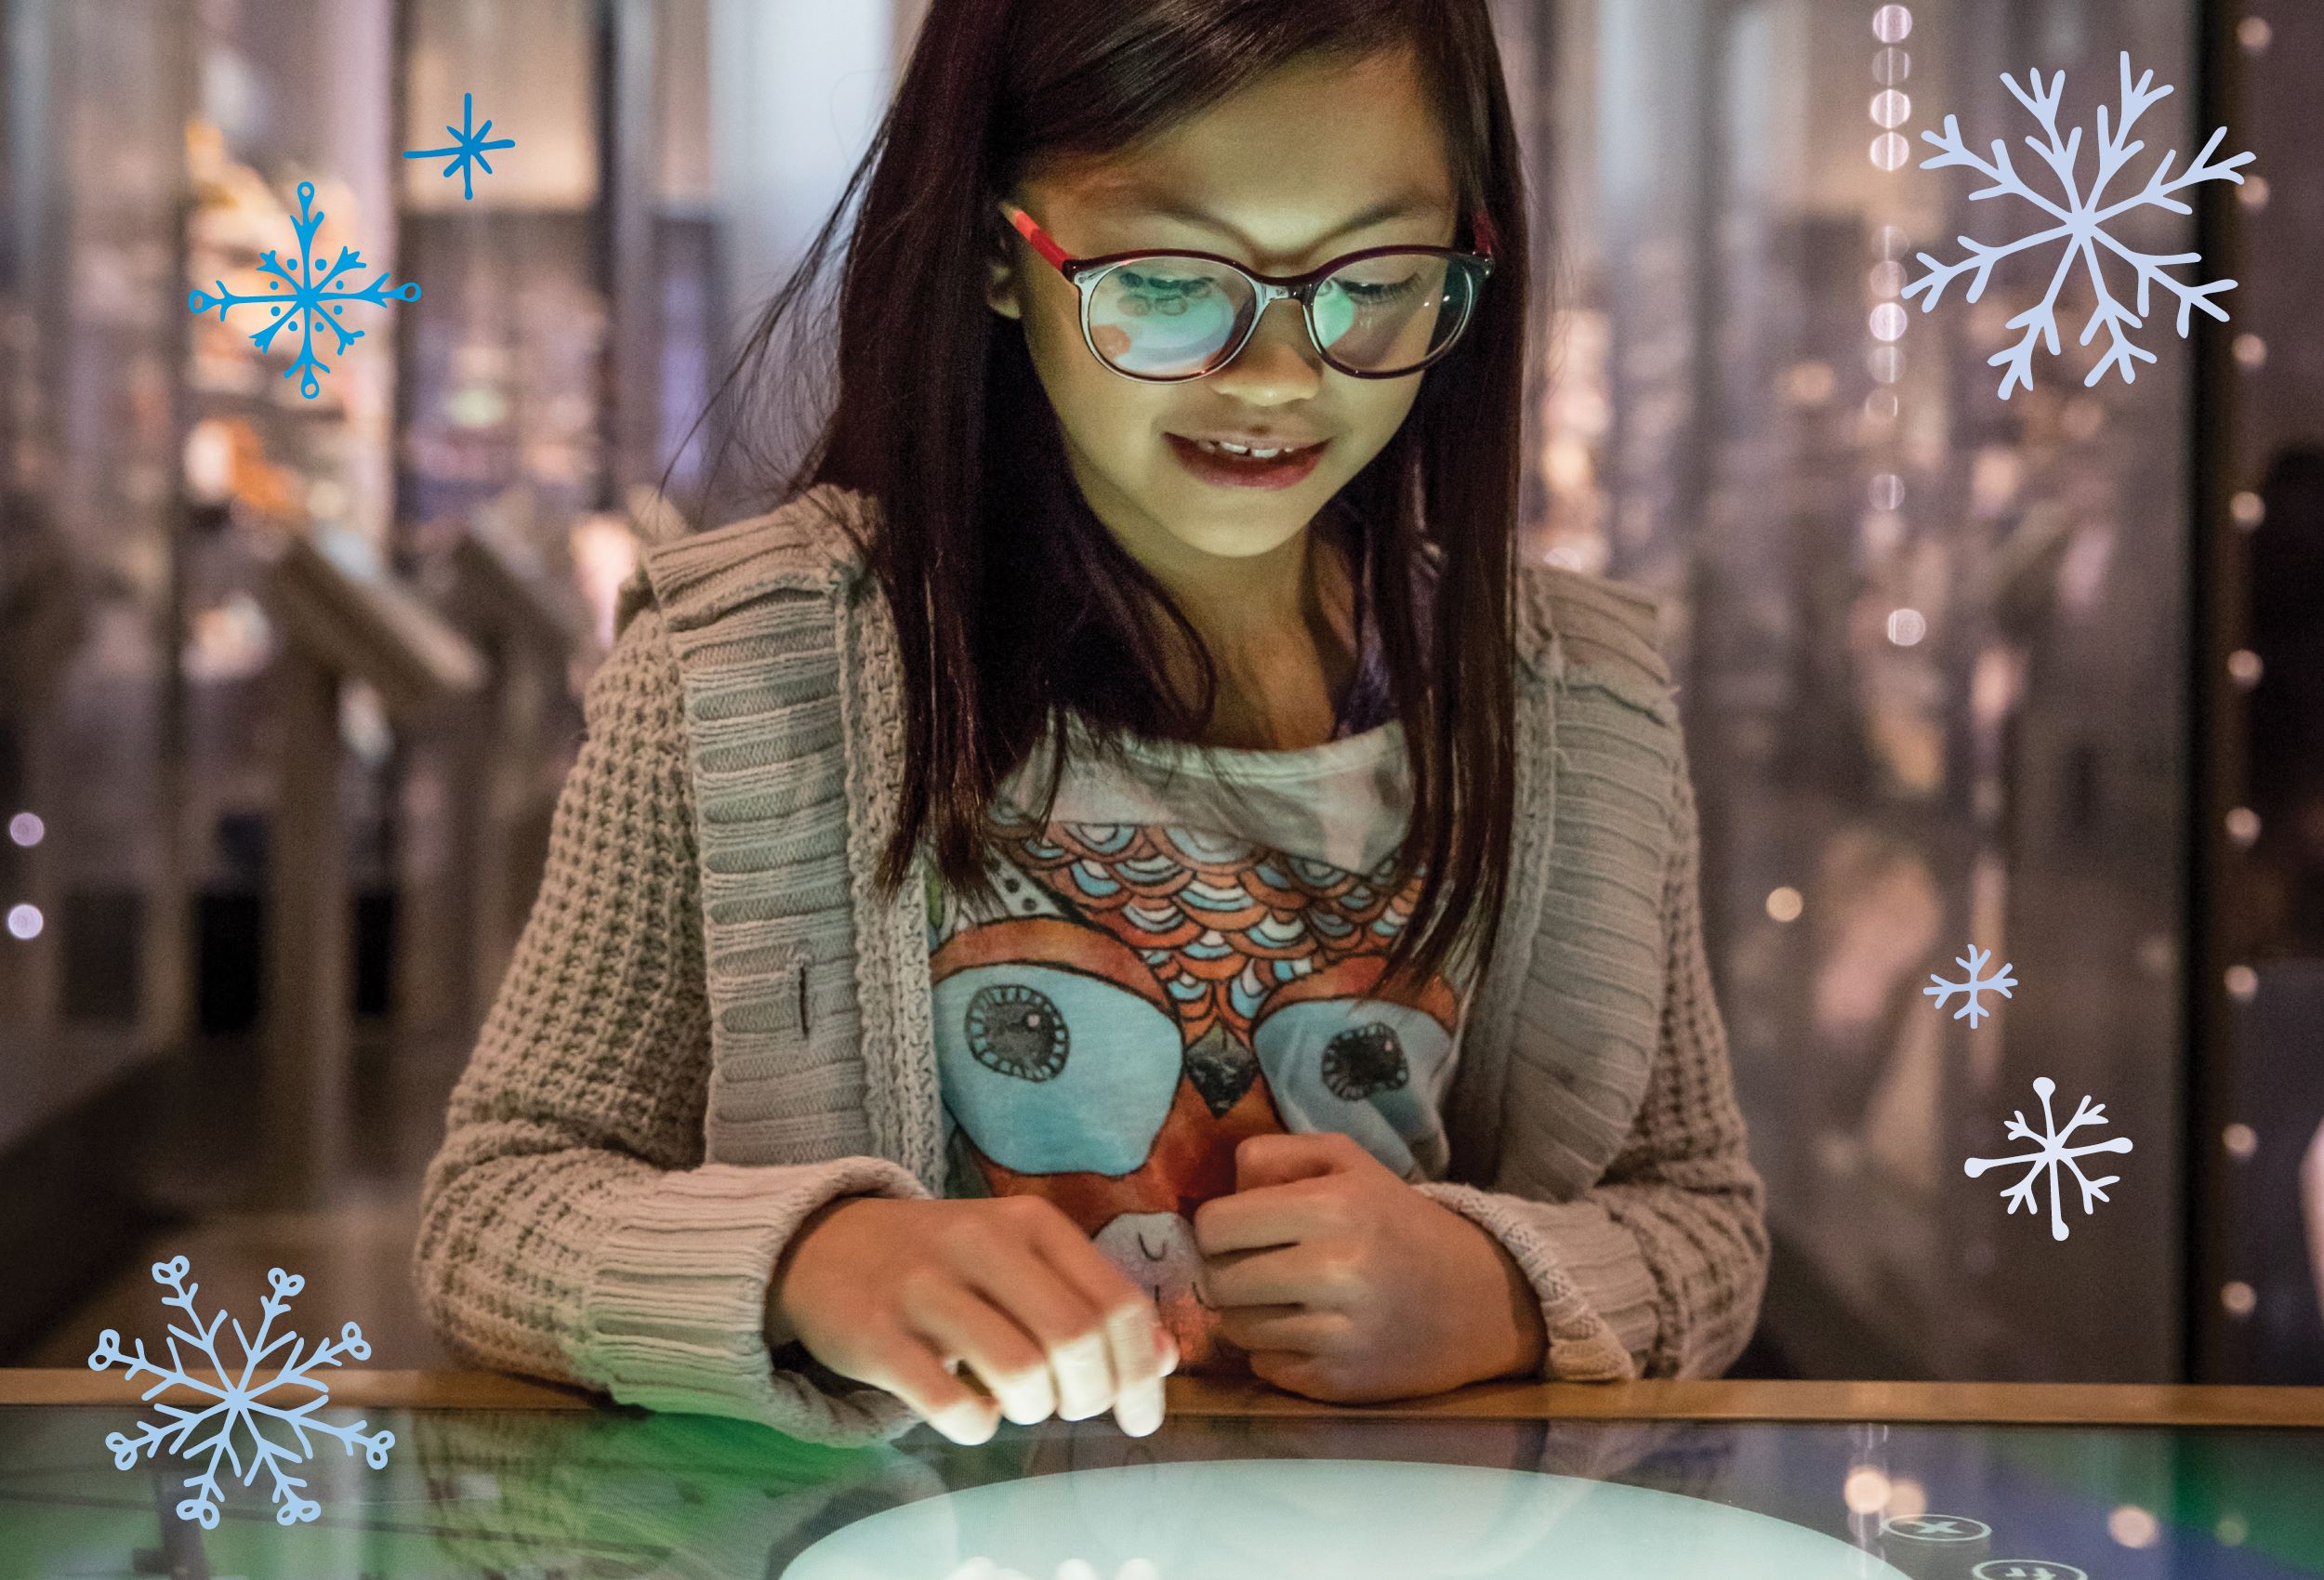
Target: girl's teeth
<point>1215,447</point>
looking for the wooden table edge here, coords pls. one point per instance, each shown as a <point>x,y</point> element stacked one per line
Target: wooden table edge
<point>2138,1404</point>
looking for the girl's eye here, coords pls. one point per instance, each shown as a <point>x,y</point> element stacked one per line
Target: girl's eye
<point>1375,294</point>
<point>1193,288</point>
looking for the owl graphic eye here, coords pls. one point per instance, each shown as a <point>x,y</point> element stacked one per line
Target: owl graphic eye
<point>1047,1069</point>
<point>1364,1061</point>
<point>1014,1030</point>
<point>1365,1067</point>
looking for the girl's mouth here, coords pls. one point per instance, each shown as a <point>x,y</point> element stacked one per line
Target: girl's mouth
<point>1223,467</point>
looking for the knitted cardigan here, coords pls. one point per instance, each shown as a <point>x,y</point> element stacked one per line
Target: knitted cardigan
<point>713,1025</point>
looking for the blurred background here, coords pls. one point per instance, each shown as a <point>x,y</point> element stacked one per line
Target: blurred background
<point>287,686</point>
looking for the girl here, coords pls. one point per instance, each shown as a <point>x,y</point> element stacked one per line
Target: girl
<point>1120,869</point>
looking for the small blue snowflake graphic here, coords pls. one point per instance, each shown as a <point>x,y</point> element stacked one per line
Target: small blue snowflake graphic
<point>238,1402</point>
<point>467,148</point>
<point>313,304</point>
<point>2081,224</point>
<point>1972,962</point>
<point>2052,1152</point>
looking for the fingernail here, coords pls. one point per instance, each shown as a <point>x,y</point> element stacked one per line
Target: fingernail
<point>1140,1411</point>
<point>965,1424</point>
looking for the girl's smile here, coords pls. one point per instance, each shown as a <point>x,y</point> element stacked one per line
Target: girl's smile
<point>1252,468</point>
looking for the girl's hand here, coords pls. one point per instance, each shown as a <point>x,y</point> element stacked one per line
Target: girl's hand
<point>1348,1286</point>
<point>898,1293</point>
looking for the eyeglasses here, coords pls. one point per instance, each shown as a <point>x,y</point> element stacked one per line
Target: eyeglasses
<point>1167,316</point>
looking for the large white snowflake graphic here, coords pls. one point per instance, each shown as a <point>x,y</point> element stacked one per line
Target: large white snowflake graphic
<point>316,298</point>
<point>2054,1152</point>
<point>2081,223</point>
<point>1974,962</point>
<point>234,1401</point>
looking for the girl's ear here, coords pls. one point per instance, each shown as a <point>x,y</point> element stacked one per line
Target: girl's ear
<point>1000,288</point>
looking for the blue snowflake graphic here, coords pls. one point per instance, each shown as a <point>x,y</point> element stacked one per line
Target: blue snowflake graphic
<point>238,1402</point>
<point>1974,962</point>
<point>312,303</point>
<point>2081,224</point>
<point>467,147</point>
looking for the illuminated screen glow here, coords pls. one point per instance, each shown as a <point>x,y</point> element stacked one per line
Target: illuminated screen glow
<point>1326,1519</point>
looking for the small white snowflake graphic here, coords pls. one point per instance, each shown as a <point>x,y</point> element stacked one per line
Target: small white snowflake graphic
<point>1972,962</point>
<point>238,1402</point>
<point>2054,1151</point>
<point>2082,222</point>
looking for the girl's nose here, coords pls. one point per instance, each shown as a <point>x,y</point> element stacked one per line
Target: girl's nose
<point>1280,363</point>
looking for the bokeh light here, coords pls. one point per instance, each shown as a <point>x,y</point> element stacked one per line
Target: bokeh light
<point>1811,383</point>
<point>1866,1490</point>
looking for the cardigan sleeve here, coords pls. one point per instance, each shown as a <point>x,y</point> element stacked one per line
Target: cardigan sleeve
<point>570,1228</point>
<point>1658,1270</point>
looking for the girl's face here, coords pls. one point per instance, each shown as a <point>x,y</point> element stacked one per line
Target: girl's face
<point>1300,169</point>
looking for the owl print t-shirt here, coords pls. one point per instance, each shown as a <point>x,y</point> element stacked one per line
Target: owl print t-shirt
<point>1186,956</point>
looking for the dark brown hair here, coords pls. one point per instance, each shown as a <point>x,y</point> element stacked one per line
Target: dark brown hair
<point>1014,608</point>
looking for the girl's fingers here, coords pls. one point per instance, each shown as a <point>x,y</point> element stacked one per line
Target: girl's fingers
<point>918,1375</point>
<point>1013,1273</point>
<point>1130,1321</point>
<point>959,1321</point>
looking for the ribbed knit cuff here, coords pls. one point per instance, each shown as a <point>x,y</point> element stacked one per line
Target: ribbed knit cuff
<point>675,1309</point>
<point>1597,1293</point>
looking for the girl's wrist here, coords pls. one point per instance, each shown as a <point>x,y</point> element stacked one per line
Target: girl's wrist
<point>1522,1338</point>
<point>775,1323</point>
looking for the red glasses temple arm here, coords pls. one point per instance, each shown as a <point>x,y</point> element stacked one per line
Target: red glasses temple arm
<point>1487,237</point>
<point>1038,237</point>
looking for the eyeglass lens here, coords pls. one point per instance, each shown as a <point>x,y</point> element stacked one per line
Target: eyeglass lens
<point>1170,317</point>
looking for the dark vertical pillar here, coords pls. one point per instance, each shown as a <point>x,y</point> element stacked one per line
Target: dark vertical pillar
<point>169,997</point>
<point>2217,935</point>
<point>629,149</point>
<point>309,990</point>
